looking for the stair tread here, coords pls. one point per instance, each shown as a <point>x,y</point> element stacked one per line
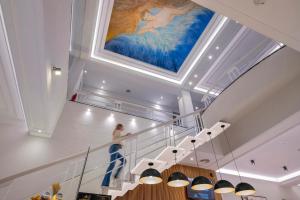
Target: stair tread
<point>143,165</point>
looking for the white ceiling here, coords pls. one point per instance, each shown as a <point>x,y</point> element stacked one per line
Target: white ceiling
<point>270,157</point>
<point>234,41</point>
<point>276,18</point>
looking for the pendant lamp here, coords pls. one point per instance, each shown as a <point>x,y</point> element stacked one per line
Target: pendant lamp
<point>150,176</point>
<point>177,179</point>
<point>200,182</point>
<point>242,189</point>
<point>222,186</point>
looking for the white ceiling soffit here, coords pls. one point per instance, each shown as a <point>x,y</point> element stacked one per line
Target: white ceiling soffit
<point>264,108</point>
<point>11,107</point>
<point>278,151</point>
<point>276,19</point>
<point>98,53</point>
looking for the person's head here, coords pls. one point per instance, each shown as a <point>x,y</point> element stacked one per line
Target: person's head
<point>119,127</point>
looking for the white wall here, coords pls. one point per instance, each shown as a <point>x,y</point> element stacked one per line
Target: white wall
<point>271,190</point>
<point>75,131</point>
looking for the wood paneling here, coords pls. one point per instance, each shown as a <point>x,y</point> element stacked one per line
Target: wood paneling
<point>162,191</point>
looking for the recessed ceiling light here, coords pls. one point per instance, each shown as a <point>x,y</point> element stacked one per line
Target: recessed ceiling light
<point>191,158</point>
<point>217,47</point>
<point>195,75</point>
<point>190,83</point>
<point>210,57</point>
<point>196,107</point>
<point>88,110</point>
<point>39,131</point>
<point>103,81</point>
<point>85,71</point>
<point>102,87</point>
<point>153,124</point>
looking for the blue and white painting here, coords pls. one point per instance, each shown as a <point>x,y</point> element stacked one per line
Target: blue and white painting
<point>158,32</point>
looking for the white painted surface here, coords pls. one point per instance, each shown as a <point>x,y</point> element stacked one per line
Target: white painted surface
<point>38,42</point>
<point>75,131</point>
<point>276,19</point>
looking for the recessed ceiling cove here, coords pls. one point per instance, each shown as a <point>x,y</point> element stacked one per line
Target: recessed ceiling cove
<point>160,38</point>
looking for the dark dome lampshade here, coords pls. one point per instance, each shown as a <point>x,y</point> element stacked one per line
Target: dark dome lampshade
<point>244,189</point>
<point>223,187</point>
<point>178,179</point>
<point>201,183</point>
<point>150,176</point>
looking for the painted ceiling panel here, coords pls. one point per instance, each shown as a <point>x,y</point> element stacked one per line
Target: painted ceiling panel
<point>160,33</point>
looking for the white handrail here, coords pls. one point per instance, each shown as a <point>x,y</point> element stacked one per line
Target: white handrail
<point>77,155</point>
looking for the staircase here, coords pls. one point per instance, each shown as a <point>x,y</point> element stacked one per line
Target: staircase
<point>154,145</point>
<point>83,173</point>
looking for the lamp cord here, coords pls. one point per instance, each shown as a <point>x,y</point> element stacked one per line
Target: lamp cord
<point>230,149</point>
<point>212,145</point>
<point>175,159</point>
<point>196,155</point>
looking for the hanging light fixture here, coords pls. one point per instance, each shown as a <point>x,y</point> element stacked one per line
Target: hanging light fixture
<point>242,189</point>
<point>222,186</point>
<point>200,182</point>
<point>177,179</point>
<point>150,176</point>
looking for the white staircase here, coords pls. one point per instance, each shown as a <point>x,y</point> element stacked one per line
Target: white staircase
<point>84,172</point>
<point>164,159</point>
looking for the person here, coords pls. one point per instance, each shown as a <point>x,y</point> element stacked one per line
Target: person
<point>115,155</point>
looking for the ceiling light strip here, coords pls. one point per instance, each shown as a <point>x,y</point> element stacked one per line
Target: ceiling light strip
<point>248,175</point>
<point>203,49</point>
<point>260,177</point>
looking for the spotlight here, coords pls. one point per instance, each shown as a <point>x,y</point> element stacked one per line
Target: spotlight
<point>57,71</point>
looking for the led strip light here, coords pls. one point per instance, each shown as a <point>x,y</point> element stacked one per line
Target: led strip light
<point>260,177</point>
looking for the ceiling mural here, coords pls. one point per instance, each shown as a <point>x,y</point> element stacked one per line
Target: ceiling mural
<point>157,32</point>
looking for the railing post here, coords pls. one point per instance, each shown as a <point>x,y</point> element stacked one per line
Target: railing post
<point>82,172</point>
<point>130,160</point>
<point>136,149</point>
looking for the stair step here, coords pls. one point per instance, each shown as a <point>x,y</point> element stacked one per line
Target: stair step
<point>187,145</point>
<point>167,155</point>
<point>143,165</point>
<point>215,131</point>
<point>166,158</point>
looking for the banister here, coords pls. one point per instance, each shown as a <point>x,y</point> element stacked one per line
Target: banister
<point>82,153</point>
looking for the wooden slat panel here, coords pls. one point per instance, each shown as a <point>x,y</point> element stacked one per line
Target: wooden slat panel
<point>162,191</point>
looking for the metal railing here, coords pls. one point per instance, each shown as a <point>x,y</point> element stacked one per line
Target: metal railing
<point>90,97</point>
<point>72,171</point>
